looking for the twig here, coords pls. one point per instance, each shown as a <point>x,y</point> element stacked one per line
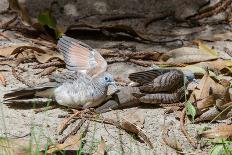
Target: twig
<point>74,131</point>
<point>48,64</point>
<point>6,24</point>
<point>182,127</point>
<point>66,122</point>
<point>150,63</point>
<point>18,77</point>
<point>127,126</point>
<point>219,7</point>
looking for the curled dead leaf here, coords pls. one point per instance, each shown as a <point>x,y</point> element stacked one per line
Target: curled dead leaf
<point>222,131</point>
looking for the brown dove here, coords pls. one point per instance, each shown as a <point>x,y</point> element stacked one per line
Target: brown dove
<point>161,85</point>
<point>84,85</point>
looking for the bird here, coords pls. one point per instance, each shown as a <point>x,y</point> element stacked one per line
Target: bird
<point>84,85</point>
<point>161,85</point>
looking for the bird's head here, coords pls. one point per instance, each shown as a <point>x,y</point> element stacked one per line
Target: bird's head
<point>106,79</point>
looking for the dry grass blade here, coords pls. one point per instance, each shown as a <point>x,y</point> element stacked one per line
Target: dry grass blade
<point>222,131</point>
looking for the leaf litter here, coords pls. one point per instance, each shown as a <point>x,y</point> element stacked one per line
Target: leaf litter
<point>207,100</point>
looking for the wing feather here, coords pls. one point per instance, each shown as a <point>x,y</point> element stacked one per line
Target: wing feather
<point>78,56</point>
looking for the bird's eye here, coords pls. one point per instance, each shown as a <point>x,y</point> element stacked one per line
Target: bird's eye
<point>106,78</point>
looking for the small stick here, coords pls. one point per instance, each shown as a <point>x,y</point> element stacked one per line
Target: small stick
<point>48,64</point>
<point>219,7</point>
<point>74,131</point>
<point>6,24</point>
<point>14,73</point>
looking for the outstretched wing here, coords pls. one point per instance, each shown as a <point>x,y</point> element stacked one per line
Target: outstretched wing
<point>80,57</point>
<point>147,76</point>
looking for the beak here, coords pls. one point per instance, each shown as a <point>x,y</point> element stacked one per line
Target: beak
<point>114,85</point>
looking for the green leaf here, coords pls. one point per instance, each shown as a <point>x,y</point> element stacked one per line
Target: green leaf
<point>191,110</point>
<point>46,18</point>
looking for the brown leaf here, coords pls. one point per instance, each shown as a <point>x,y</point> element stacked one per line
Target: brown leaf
<point>101,148</point>
<point>7,51</point>
<point>206,102</point>
<point>42,55</point>
<point>137,118</point>
<point>206,86</point>
<point>222,131</point>
<point>3,79</point>
<point>187,55</point>
<point>170,139</point>
<point>218,37</point>
<point>74,141</point>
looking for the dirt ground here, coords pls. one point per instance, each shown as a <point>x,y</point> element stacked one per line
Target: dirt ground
<point>21,121</point>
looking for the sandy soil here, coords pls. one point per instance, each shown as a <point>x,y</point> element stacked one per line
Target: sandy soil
<point>22,121</point>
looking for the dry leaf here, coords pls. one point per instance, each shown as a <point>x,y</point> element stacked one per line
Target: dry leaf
<point>187,55</point>
<point>137,118</point>
<point>3,79</point>
<point>205,49</point>
<point>206,102</point>
<point>101,148</point>
<point>49,55</point>
<point>218,37</point>
<point>170,139</point>
<point>7,51</point>
<point>206,86</point>
<point>222,131</point>
<point>74,141</point>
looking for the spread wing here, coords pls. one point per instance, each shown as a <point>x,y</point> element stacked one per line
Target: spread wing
<point>80,57</point>
<point>147,76</point>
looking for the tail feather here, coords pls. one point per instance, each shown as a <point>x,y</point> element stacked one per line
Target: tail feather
<point>29,93</point>
<point>19,93</point>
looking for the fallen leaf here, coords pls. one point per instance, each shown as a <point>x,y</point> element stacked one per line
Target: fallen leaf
<point>187,55</point>
<point>218,37</point>
<point>206,87</point>
<point>137,118</point>
<point>222,131</point>
<point>206,102</point>
<point>74,141</point>
<point>101,148</point>
<point>170,139</point>
<point>197,70</point>
<point>7,51</point>
<point>205,49</point>
<point>216,65</point>
<point>3,79</point>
